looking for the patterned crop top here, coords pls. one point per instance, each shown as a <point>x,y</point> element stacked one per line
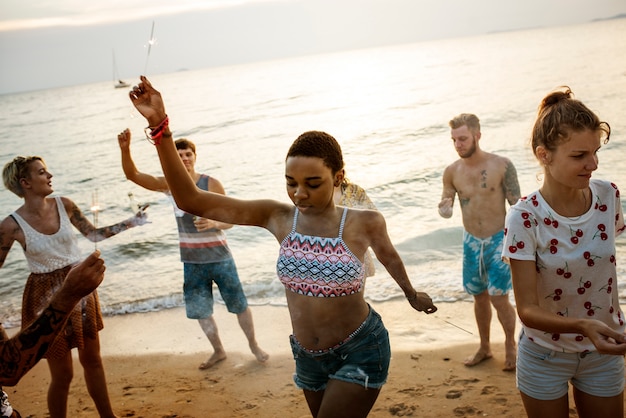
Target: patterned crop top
<point>319,266</point>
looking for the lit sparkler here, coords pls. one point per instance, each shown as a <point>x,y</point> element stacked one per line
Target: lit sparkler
<point>95,208</point>
<point>151,42</point>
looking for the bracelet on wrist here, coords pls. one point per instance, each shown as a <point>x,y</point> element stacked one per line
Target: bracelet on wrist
<point>154,134</point>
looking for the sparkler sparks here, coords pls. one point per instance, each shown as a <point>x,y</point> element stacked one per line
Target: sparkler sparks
<point>95,208</point>
<point>151,42</point>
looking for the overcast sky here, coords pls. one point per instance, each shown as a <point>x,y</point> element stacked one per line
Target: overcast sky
<point>54,43</point>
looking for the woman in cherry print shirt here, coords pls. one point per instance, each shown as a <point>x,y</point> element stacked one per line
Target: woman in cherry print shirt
<point>560,242</point>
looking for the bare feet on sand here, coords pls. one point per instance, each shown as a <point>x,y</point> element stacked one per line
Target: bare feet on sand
<point>477,358</point>
<point>509,366</point>
<point>212,361</point>
<point>260,355</point>
<point>509,363</point>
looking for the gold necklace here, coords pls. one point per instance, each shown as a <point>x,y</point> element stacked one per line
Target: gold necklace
<point>575,218</point>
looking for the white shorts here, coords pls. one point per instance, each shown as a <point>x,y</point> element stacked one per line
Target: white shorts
<point>544,374</point>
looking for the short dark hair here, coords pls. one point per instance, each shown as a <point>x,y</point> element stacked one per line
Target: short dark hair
<point>318,144</point>
<point>184,143</point>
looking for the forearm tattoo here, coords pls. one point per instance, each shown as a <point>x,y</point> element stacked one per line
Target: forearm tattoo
<point>20,353</point>
<point>116,229</point>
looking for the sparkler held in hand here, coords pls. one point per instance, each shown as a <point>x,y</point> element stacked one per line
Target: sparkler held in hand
<point>95,208</point>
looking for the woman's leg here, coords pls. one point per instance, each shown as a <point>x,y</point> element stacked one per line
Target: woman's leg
<point>557,408</point>
<point>589,406</point>
<point>341,399</point>
<point>313,400</point>
<point>94,376</point>
<point>61,373</point>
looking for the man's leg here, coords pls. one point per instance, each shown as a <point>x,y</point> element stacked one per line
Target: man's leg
<point>235,299</point>
<point>198,293</point>
<point>247,325</point>
<point>482,311</point>
<point>209,326</point>
<point>507,316</point>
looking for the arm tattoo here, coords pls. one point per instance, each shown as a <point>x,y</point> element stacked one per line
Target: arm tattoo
<point>19,354</point>
<point>84,226</point>
<point>115,229</point>
<point>511,184</point>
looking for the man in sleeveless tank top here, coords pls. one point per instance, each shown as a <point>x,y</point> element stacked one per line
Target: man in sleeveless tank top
<point>204,252</point>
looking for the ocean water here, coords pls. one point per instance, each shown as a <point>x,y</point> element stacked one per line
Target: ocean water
<point>389,109</point>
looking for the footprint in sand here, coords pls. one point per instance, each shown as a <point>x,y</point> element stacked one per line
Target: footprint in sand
<point>402,410</point>
<point>465,381</point>
<point>454,394</point>
<point>464,411</point>
<point>412,390</point>
<point>487,390</point>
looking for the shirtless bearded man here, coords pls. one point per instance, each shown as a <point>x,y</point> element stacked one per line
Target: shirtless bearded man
<point>483,182</point>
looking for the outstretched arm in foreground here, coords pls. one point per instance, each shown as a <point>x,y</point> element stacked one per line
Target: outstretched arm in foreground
<point>20,353</point>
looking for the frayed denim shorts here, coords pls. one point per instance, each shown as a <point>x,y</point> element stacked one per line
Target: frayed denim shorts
<point>363,358</point>
<point>544,374</point>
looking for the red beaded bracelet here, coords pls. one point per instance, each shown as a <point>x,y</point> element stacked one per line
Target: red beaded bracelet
<point>154,134</point>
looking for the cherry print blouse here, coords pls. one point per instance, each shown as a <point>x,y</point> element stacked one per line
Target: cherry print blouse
<point>575,261</point>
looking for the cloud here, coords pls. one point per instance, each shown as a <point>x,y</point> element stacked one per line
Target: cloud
<point>24,15</point>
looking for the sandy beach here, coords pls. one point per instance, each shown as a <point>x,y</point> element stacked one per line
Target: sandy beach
<point>152,360</point>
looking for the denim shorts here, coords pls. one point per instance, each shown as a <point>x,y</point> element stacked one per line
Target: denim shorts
<point>544,374</point>
<point>198,288</point>
<point>363,358</point>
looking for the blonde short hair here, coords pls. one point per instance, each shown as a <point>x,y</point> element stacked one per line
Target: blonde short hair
<point>17,170</point>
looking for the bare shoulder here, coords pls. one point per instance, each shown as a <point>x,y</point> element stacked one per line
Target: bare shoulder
<point>67,203</point>
<point>499,161</point>
<point>502,159</point>
<point>455,165</point>
<point>280,217</point>
<point>453,168</point>
<point>9,226</point>
<point>365,217</point>
<point>215,185</point>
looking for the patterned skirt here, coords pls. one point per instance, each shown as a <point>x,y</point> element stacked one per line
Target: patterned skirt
<point>85,321</point>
